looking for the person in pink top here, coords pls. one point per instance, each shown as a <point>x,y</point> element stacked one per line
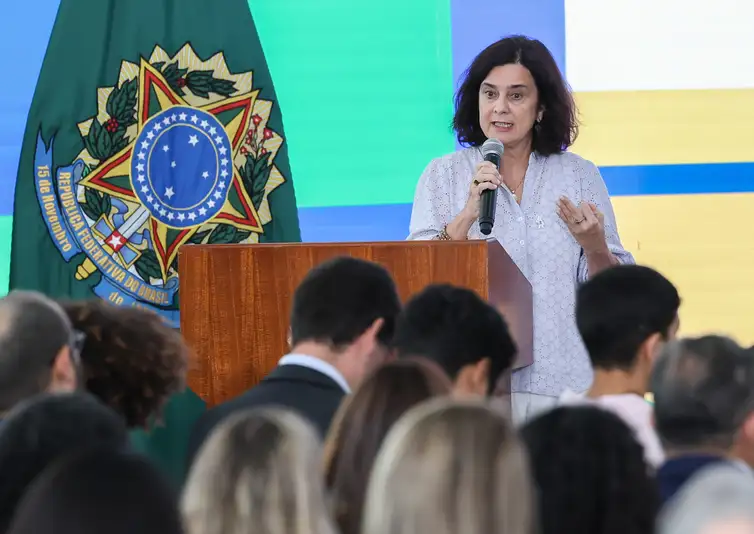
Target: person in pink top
<point>625,315</point>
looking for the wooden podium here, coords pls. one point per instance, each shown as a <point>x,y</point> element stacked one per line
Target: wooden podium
<point>236,299</point>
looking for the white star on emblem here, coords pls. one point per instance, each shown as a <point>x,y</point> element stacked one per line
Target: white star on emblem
<point>202,211</point>
<point>194,119</point>
<point>163,211</point>
<point>157,127</point>
<point>144,144</point>
<point>224,173</point>
<point>140,167</point>
<point>181,216</point>
<point>141,178</point>
<point>165,148</point>
<point>170,216</point>
<point>217,195</point>
<point>211,204</point>
<point>204,124</point>
<point>192,216</point>
<point>115,241</point>
<point>150,135</point>
<point>224,162</point>
<point>223,150</point>
<point>182,116</point>
<point>144,189</point>
<point>173,117</point>
<point>166,122</point>
<point>150,198</point>
<point>205,174</point>
<point>173,164</point>
<point>219,140</point>
<point>169,192</point>
<point>193,140</point>
<point>141,155</point>
<point>221,185</point>
<point>156,206</point>
<point>212,131</point>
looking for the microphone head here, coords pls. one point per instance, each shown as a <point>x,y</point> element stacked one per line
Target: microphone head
<point>493,146</point>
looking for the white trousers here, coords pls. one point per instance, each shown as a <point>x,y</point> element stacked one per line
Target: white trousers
<point>526,406</point>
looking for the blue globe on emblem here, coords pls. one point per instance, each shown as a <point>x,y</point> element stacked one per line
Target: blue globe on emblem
<point>181,166</point>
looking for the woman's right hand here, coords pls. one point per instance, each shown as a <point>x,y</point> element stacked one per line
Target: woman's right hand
<point>486,177</point>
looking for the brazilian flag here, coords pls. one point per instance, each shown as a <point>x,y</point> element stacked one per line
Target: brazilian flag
<point>154,124</point>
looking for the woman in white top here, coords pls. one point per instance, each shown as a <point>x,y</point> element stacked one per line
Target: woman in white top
<point>553,212</point>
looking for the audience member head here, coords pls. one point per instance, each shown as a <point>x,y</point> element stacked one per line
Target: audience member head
<point>38,348</point>
<point>464,335</point>
<point>260,471</point>
<point>344,312</point>
<point>516,80</point>
<point>625,315</point>
<point>131,359</point>
<point>447,467</point>
<point>590,473</point>
<point>44,429</point>
<point>361,425</point>
<point>704,398</point>
<point>98,491</point>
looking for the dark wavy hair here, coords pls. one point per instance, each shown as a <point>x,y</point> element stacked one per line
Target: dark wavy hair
<point>131,359</point>
<point>559,126</point>
<point>590,473</point>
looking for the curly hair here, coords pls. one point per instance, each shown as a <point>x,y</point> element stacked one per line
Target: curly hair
<point>131,359</point>
<point>590,473</point>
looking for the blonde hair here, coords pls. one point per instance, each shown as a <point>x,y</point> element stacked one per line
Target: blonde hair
<point>259,473</point>
<point>448,467</point>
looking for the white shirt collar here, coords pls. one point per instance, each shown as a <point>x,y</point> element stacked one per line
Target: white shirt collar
<point>318,365</point>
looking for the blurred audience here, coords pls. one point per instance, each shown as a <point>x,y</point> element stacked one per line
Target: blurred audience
<point>44,429</point>
<point>625,315</point>
<point>38,348</point>
<point>463,334</point>
<point>342,323</point>
<point>590,473</point>
<point>448,467</point>
<point>97,492</point>
<point>259,471</point>
<point>704,408</point>
<point>361,425</point>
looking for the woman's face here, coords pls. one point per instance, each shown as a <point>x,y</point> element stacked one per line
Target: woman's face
<point>508,104</point>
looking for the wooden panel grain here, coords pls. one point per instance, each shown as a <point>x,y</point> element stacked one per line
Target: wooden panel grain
<point>236,299</point>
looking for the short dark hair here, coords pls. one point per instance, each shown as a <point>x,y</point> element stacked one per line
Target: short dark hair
<point>96,491</point>
<point>33,330</point>
<point>42,430</point>
<point>590,472</point>
<point>559,126</point>
<point>703,391</point>
<point>619,308</point>
<point>338,300</point>
<point>131,359</point>
<point>361,425</point>
<point>454,327</point>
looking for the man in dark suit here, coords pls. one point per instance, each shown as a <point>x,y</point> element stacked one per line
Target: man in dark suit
<point>342,322</point>
<point>704,409</point>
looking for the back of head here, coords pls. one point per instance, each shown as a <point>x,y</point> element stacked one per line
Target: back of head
<point>448,467</point>
<point>362,423</point>
<point>45,429</point>
<point>703,392</point>
<point>131,359</point>
<point>33,330</point>
<point>340,299</point>
<point>590,472</point>
<point>454,327</point>
<point>619,308</point>
<point>259,471</point>
<point>99,491</point>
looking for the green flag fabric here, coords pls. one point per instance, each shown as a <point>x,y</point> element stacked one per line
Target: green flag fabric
<point>154,124</point>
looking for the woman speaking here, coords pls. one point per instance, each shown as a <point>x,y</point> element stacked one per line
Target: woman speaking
<point>553,212</point>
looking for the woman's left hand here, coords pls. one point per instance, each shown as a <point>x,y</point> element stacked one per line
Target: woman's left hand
<point>586,223</point>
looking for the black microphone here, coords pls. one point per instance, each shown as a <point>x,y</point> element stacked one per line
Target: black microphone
<point>492,150</point>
